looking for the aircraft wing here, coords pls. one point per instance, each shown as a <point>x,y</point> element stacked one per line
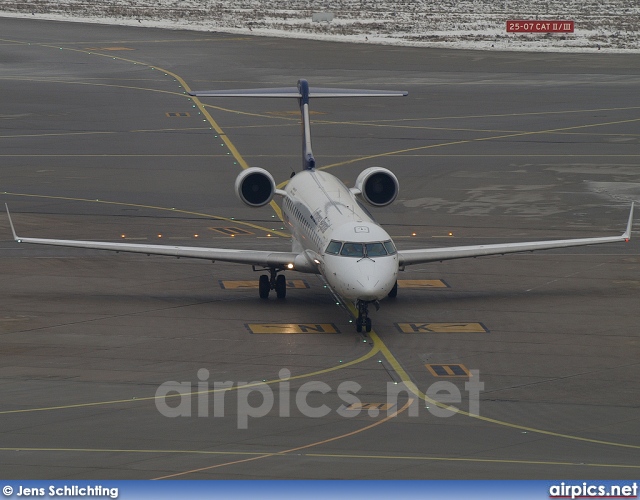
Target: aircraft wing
<point>252,257</point>
<point>421,256</point>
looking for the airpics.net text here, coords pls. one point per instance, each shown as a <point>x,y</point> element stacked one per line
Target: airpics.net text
<point>258,399</point>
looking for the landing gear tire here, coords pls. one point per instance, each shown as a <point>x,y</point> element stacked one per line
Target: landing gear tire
<point>264,286</point>
<point>281,287</point>
<point>394,291</point>
<point>363,321</point>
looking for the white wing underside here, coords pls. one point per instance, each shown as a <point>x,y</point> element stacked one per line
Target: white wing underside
<point>283,259</point>
<point>422,256</point>
<point>251,257</point>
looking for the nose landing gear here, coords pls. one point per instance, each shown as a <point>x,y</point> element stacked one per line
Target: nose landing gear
<point>364,321</point>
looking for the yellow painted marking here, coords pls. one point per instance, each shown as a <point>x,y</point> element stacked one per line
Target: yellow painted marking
<point>293,113</point>
<point>501,115</point>
<point>448,370</point>
<point>404,376</point>
<point>293,121</point>
<point>418,458</point>
<point>232,149</point>
<point>304,447</point>
<point>172,114</point>
<point>183,84</point>
<point>464,459</point>
<point>253,284</point>
<point>420,327</point>
<point>378,345</point>
<point>292,328</point>
<point>422,284</point>
<point>112,49</point>
<point>231,231</point>
<point>469,141</point>
<point>316,373</point>
<point>152,207</point>
<point>370,406</point>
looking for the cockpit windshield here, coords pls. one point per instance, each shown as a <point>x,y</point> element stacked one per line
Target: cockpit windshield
<point>334,247</point>
<point>352,249</point>
<point>375,250</point>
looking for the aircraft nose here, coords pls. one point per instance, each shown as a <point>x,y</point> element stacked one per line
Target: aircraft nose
<point>367,291</point>
<point>361,279</point>
<point>374,279</point>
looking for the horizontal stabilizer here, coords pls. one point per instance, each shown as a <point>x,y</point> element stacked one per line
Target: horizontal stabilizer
<point>303,92</point>
<point>294,92</point>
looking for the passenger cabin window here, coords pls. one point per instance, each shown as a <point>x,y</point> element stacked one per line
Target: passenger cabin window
<point>334,247</point>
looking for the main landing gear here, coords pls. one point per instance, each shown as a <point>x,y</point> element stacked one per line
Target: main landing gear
<point>275,282</point>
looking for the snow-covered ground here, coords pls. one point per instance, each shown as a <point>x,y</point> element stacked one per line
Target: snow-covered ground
<point>600,25</point>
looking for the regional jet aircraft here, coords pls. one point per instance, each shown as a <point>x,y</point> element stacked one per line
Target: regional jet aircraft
<point>333,234</point>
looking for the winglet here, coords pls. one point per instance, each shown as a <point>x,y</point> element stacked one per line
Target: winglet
<point>13,230</point>
<point>627,233</point>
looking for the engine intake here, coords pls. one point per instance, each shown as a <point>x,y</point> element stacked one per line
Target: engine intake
<point>378,186</point>
<point>255,187</point>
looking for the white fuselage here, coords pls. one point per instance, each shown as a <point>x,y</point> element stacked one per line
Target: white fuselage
<point>353,253</point>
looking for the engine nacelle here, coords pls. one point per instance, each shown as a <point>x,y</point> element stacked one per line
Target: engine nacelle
<point>378,186</point>
<point>255,187</point>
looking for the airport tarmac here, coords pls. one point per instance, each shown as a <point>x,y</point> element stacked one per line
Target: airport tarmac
<point>99,141</point>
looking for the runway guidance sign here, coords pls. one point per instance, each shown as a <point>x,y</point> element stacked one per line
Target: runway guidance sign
<point>523,26</point>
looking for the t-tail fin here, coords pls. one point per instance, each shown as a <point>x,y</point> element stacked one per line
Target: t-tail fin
<point>303,93</point>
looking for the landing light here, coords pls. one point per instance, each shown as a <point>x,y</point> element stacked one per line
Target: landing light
<point>316,261</point>
<point>289,266</point>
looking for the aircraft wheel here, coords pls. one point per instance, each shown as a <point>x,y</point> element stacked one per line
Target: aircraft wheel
<point>264,286</point>
<point>281,287</point>
<point>359,325</point>
<point>394,291</point>
<point>367,325</point>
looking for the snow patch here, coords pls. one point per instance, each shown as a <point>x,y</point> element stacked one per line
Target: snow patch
<point>603,26</point>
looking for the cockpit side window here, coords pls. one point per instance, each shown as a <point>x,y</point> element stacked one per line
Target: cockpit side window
<point>334,247</point>
<point>375,250</point>
<point>352,250</point>
<point>391,248</point>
